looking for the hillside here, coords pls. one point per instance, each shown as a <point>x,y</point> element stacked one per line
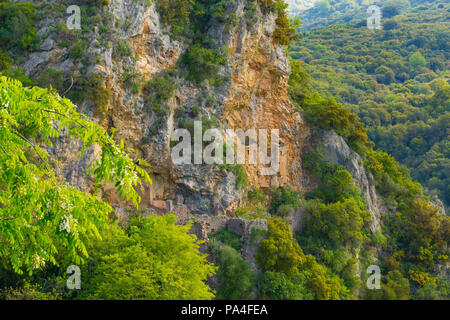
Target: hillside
<point>323,13</point>
<point>111,145</point>
<point>396,81</point>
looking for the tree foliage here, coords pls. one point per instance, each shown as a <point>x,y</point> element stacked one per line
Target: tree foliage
<point>39,212</point>
<point>153,259</point>
<point>235,276</point>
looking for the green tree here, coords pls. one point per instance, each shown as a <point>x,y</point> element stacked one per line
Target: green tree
<point>417,60</point>
<point>17,29</point>
<point>395,287</point>
<point>279,252</point>
<point>235,276</point>
<point>278,286</point>
<point>154,259</point>
<point>175,12</point>
<point>343,223</point>
<point>201,63</point>
<point>39,212</point>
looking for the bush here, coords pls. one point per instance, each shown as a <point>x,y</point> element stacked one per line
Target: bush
<point>97,93</point>
<point>66,37</point>
<point>286,29</point>
<point>51,78</point>
<point>78,51</point>
<point>255,195</point>
<point>157,92</point>
<point>122,49</point>
<point>235,276</point>
<point>328,114</point>
<point>239,173</point>
<point>29,292</point>
<point>384,75</point>
<point>201,64</point>
<point>338,186</point>
<point>132,80</point>
<point>153,259</point>
<point>417,60</point>
<point>338,224</point>
<point>5,61</point>
<point>285,197</point>
<point>278,286</point>
<point>175,13</point>
<point>279,252</point>
<point>228,238</point>
<point>284,210</point>
<point>17,29</point>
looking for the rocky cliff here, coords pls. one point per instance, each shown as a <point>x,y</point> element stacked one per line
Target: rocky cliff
<point>252,95</point>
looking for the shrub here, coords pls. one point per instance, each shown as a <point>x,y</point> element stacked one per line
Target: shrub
<point>417,60</point>
<point>157,92</point>
<point>286,29</point>
<point>285,197</point>
<point>17,29</point>
<point>29,292</point>
<point>66,36</point>
<point>235,275</point>
<point>5,61</point>
<point>228,238</point>
<point>196,110</point>
<point>278,286</point>
<point>51,77</point>
<point>96,3</point>
<point>122,49</point>
<point>384,75</point>
<point>279,252</point>
<point>97,93</point>
<point>132,80</point>
<point>78,51</point>
<point>239,173</point>
<point>339,224</point>
<point>255,195</point>
<point>201,64</point>
<point>153,259</point>
<point>175,13</point>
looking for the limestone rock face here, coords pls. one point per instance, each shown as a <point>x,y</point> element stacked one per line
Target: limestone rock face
<point>253,96</point>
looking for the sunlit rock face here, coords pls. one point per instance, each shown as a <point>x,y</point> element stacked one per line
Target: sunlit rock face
<point>254,96</point>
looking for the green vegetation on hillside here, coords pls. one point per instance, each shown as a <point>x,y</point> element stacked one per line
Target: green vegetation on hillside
<point>386,71</point>
<point>389,87</point>
<point>47,225</point>
<point>396,81</point>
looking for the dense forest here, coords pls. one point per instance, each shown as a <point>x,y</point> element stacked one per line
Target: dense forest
<point>319,14</point>
<point>396,81</point>
<point>343,78</point>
